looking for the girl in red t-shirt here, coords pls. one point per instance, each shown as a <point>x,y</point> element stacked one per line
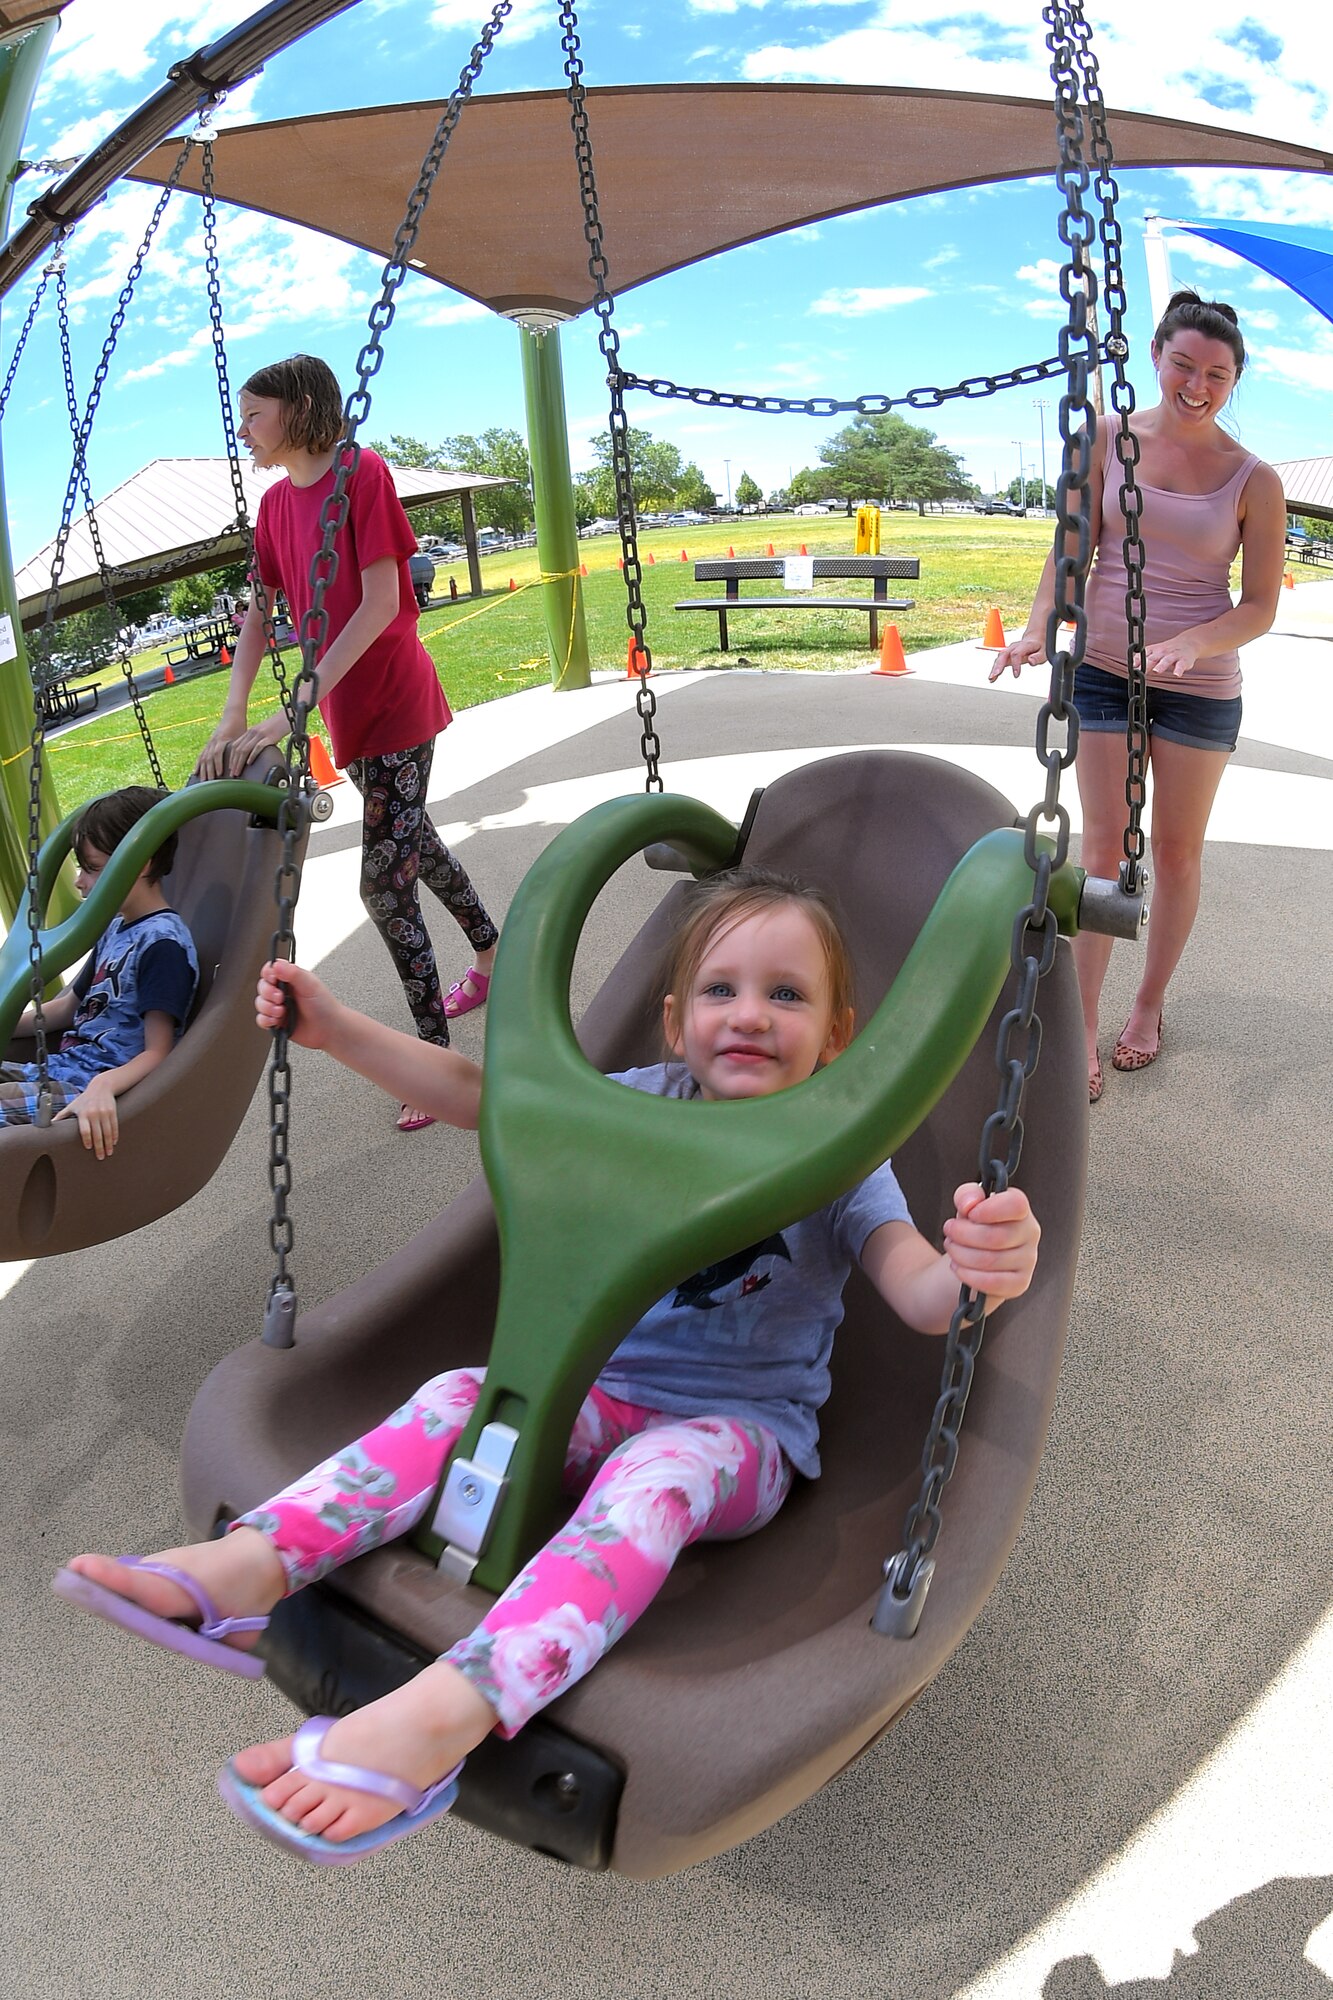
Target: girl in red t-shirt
<point>379,694</point>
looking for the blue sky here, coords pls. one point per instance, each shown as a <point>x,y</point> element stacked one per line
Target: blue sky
<point>925,291</point>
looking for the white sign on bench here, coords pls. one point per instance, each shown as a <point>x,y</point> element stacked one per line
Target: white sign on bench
<point>798,572</point>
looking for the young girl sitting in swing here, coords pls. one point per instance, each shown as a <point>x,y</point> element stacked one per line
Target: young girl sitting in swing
<point>695,1429</point>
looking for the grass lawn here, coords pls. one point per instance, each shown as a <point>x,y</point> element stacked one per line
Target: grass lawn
<point>969,562</point>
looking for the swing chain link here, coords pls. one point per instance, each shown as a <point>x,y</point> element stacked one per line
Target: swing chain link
<point>608,340</point>
<point>1035,931</point>
<point>241,524</point>
<point>972,389</point>
<point>1133,875</point>
<point>294,812</point>
<point>34,305</point>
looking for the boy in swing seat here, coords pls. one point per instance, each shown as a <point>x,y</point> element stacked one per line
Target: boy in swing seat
<point>129,1004</point>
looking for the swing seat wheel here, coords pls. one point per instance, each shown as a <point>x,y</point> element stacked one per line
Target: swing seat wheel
<point>321,806</point>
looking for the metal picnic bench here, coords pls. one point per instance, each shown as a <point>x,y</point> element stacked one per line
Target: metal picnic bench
<point>61,700</point>
<point>735,570</point>
<point>203,641</point>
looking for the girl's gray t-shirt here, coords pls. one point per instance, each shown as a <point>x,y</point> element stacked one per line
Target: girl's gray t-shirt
<point>751,1336</point>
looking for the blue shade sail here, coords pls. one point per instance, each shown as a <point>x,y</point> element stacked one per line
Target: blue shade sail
<point>1301,258</point>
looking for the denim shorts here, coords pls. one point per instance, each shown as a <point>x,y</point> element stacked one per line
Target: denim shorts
<point>1197,720</point>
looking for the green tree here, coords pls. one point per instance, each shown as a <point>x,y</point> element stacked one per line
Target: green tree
<point>500,454</point>
<point>192,596</point>
<point>1029,495</point>
<point>748,492</point>
<point>886,458</point>
<point>659,475</point>
<point>810,483</point>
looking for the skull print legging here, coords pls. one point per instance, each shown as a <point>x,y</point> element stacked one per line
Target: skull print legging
<point>649,1484</point>
<point>400,849</point>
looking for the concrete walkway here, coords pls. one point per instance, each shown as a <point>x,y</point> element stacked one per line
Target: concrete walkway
<point>1122,1781</point>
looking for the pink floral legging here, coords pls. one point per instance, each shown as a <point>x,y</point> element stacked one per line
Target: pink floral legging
<point>649,1485</point>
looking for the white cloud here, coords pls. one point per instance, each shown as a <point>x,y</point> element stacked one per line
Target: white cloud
<point>528,18</point>
<point>999,50</point>
<point>442,312</point>
<point>99,42</point>
<point>946,254</point>
<point>855,301</point>
<point>1301,367</point>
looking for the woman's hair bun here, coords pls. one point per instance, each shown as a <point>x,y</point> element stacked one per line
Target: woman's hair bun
<point>1227,312</point>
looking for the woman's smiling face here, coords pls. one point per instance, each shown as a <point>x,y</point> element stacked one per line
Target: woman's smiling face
<point>1196,375</point>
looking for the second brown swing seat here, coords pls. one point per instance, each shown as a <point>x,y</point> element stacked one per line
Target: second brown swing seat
<point>755,1676</point>
<point>175,1126</point>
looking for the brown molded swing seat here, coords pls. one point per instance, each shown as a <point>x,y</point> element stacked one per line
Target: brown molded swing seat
<point>175,1126</point>
<point>755,1677</point>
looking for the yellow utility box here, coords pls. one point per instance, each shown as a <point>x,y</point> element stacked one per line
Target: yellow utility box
<point>867,531</point>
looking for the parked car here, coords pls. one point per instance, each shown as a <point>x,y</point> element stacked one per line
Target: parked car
<point>423,578</point>
<point>601,526</point>
<point>819,507</point>
<point>443,552</point>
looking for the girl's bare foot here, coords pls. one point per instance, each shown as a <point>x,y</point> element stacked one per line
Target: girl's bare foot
<point>417,1733</point>
<point>240,1572</point>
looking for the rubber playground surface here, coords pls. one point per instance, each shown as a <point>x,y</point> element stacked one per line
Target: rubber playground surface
<point>1120,1784</point>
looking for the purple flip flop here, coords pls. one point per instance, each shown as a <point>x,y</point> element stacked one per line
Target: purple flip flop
<point>199,1642</point>
<point>418,1808</point>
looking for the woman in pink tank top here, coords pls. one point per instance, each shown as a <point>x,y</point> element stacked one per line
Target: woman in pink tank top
<point>1204,500</point>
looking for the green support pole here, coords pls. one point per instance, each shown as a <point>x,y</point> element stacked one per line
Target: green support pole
<point>22,56</point>
<point>553,499</point>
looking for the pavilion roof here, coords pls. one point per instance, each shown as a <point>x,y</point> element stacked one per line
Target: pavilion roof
<point>175,518</point>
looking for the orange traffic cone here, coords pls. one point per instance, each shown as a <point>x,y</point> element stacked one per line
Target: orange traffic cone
<point>583,569</point>
<point>224,656</point>
<point>168,678</point>
<point>322,767</point>
<point>731,553</point>
<point>1288,580</point>
<point>620,562</point>
<point>683,556</point>
<point>804,550</point>
<point>512,584</point>
<point>992,638</point>
<point>635,659</point>
<point>651,557</point>
<point>771,549</point>
<point>891,657</point>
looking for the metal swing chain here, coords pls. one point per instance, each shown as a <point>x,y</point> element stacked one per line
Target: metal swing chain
<point>82,429</point>
<point>609,341</point>
<point>212,266</point>
<point>29,317</point>
<point>1133,875</point>
<point>1035,932</point>
<point>95,536</point>
<point>972,389</point>
<point>280,1308</point>
<point>44,670</point>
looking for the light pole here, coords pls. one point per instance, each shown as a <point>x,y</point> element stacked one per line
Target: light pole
<point>1022,483</point>
<point>727,463</point>
<point>1041,407</point>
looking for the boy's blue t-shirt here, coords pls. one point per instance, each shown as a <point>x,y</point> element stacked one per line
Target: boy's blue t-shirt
<point>148,966</point>
<point>751,1337</point>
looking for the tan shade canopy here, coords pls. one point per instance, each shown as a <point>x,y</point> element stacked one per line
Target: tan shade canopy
<point>682,172</point>
<point>18,14</point>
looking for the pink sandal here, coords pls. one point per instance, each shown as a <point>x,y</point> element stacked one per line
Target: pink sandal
<point>411,1120</point>
<point>459,1000</point>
